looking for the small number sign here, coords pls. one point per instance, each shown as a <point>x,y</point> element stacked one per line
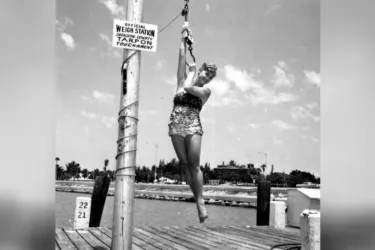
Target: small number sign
<point>82,213</point>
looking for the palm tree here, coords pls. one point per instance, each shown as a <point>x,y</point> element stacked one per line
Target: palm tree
<point>59,172</point>
<point>73,168</point>
<point>263,175</point>
<point>96,173</point>
<point>85,173</point>
<point>106,161</point>
<point>57,165</point>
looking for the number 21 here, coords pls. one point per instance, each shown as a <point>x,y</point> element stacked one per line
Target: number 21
<point>80,215</point>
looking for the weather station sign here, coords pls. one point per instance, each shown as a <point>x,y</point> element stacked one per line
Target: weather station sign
<point>135,36</point>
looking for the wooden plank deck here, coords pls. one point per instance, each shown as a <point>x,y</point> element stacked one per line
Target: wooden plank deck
<point>181,238</point>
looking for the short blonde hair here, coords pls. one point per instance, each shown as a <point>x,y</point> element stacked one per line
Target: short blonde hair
<point>209,67</point>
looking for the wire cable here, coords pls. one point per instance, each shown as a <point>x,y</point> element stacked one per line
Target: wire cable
<point>179,14</point>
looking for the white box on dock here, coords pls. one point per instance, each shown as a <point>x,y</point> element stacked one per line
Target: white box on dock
<point>82,213</point>
<point>299,200</point>
<point>277,214</point>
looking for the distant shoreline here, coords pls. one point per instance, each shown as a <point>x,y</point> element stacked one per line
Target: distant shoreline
<point>218,195</point>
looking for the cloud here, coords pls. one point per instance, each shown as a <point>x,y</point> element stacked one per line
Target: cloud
<point>110,51</point>
<point>253,125</point>
<point>109,122</point>
<point>105,38</point>
<point>115,9</point>
<point>262,95</point>
<point>160,64</point>
<point>88,114</point>
<point>100,97</point>
<point>62,26</point>
<point>171,80</point>
<point>226,101</point>
<point>300,112</point>
<point>312,77</point>
<point>207,7</point>
<point>231,129</point>
<point>68,40</point>
<point>281,78</point>
<point>282,125</point>
<point>229,99</point>
<point>242,79</point>
<point>219,86</point>
<point>68,21</point>
<point>103,97</point>
<point>311,106</point>
<point>255,91</point>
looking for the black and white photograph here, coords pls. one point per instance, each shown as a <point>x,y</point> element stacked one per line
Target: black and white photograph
<point>188,124</point>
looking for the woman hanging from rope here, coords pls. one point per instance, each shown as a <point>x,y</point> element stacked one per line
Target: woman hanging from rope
<point>185,128</point>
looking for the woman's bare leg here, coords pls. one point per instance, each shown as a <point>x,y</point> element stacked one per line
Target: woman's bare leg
<point>193,145</point>
<point>180,149</point>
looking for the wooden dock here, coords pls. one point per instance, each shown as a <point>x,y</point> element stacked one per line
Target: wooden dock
<point>181,238</point>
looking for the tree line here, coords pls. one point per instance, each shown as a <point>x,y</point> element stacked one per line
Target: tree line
<point>227,172</point>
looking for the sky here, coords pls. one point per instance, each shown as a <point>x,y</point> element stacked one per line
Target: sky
<point>265,98</point>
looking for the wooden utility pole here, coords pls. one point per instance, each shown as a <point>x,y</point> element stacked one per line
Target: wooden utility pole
<point>263,203</point>
<point>127,141</point>
<point>98,197</point>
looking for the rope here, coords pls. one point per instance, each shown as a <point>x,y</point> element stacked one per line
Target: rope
<point>179,14</point>
<point>121,116</point>
<point>127,59</point>
<point>124,168</point>
<point>119,113</point>
<point>169,23</point>
<point>185,13</point>
<point>292,245</point>
<point>121,153</point>
<point>122,138</point>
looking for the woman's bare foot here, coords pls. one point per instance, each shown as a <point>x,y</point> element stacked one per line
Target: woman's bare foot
<point>202,211</point>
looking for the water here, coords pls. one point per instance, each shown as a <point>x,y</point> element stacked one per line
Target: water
<point>157,213</point>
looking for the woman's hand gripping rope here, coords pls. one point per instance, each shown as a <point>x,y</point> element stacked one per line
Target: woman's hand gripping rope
<point>192,68</point>
<point>187,35</point>
<point>186,31</point>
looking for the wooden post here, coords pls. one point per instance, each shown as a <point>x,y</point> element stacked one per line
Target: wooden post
<point>99,195</point>
<point>127,140</point>
<point>263,203</point>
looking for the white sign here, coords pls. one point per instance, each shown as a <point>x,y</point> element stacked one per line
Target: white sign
<point>82,213</point>
<point>136,36</point>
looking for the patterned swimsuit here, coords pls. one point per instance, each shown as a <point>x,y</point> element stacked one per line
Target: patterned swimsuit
<point>184,119</point>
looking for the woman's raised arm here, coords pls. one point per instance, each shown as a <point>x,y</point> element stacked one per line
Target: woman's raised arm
<point>181,70</point>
